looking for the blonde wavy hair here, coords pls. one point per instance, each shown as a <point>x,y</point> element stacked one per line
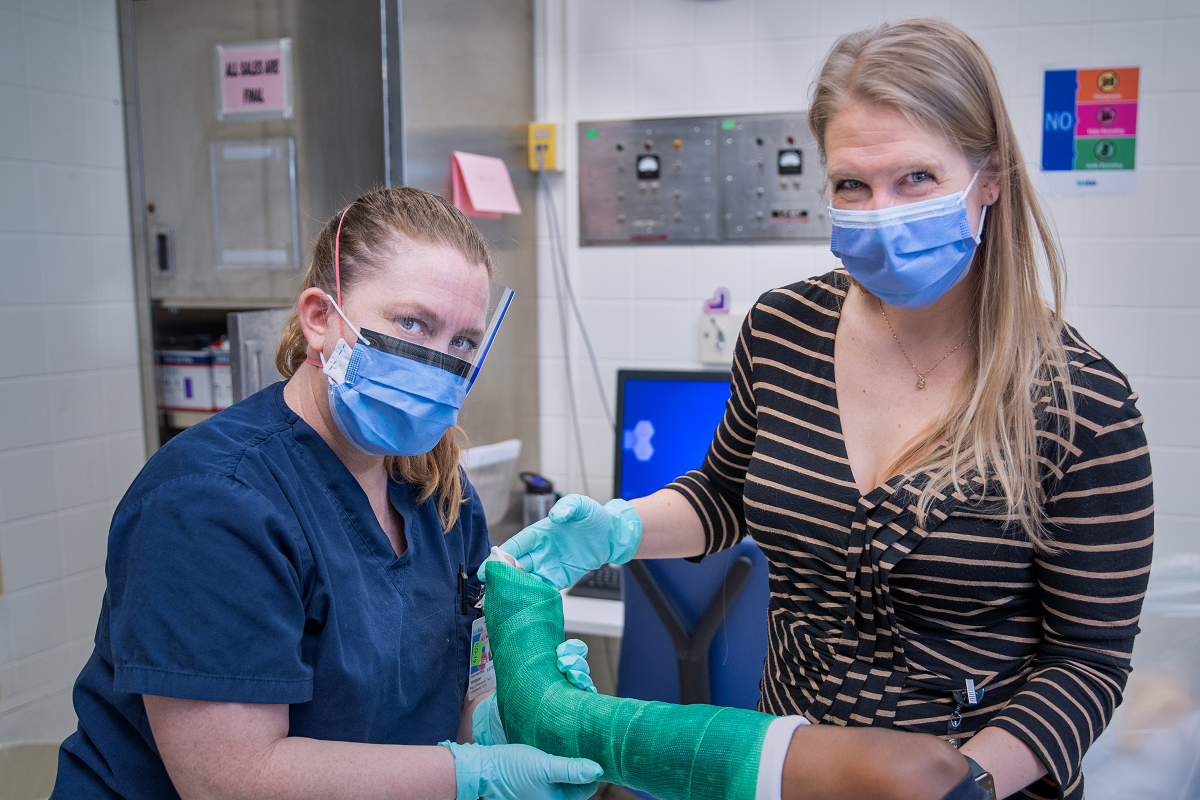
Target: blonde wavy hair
<point>376,227</point>
<point>940,79</point>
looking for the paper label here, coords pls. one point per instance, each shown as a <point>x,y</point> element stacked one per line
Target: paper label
<point>336,365</point>
<point>254,80</point>
<point>483,671</point>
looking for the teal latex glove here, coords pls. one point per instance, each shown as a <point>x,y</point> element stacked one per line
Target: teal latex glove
<point>580,535</point>
<point>520,772</point>
<point>572,662</point>
<point>486,727</point>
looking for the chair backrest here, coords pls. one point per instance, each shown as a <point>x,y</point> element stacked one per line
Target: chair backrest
<point>649,670</point>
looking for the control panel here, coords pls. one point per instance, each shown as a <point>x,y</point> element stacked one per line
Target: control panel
<point>771,180</point>
<point>690,180</point>
<point>651,180</point>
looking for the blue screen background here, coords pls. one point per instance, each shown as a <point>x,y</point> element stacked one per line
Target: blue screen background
<point>684,415</point>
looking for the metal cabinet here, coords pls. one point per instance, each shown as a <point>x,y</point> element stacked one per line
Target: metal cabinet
<point>225,208</point>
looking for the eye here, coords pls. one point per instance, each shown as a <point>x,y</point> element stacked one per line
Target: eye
<point>920,177</point>
<point>462,345</point>
<point>412,325</point>
<point>849,185</point>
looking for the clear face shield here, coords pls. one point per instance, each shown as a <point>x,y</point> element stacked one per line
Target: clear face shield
<point>396,394</point>
<point>399,388</point>
<point>455,339</point>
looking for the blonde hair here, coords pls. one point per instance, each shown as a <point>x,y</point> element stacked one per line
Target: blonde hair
<point>376,226</point>
<point>941,80</point>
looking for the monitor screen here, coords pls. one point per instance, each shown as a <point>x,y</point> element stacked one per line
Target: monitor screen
<point>666,422</point>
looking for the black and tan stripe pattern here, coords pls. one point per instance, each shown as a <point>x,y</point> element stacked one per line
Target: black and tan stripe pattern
<point>874,620</point>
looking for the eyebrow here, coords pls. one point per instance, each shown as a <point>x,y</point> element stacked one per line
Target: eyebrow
<point>418,310</point>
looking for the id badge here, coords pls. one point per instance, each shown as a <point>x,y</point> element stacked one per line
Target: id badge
<point>483,672</point>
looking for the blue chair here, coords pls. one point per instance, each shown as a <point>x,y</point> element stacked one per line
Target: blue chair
<point>696,633</point>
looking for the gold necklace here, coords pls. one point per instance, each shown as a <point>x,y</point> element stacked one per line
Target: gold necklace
<point>920,375</point>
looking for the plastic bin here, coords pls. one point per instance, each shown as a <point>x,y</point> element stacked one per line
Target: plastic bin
<point>491,468</point>
<point>27,770</point>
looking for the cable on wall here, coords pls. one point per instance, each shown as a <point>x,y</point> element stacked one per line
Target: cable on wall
<point>562,286</point>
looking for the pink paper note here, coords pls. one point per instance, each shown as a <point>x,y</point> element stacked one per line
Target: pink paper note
<point>481,186</point>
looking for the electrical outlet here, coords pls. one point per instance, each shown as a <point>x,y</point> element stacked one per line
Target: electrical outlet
<point>717,334</point>
<point>543,140</point>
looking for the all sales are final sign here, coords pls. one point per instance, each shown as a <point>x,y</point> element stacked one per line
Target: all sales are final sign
<point>1089,128</point>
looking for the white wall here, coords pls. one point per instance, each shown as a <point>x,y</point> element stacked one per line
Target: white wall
<point>70,405</point>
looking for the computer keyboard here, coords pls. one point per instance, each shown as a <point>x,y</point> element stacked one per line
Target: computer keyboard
<point>603,583</point>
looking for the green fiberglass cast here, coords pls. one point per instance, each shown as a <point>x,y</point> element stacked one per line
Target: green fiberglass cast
<point>673,752</point>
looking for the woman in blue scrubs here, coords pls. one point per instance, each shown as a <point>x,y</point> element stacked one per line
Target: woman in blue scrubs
<point>285,615</point>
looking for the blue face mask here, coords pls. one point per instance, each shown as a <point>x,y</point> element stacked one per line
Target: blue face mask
<point>391,397</point>
<point>909,255</point>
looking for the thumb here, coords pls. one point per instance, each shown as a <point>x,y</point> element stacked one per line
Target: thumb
<point>571,770</point>
<point>570,507</point>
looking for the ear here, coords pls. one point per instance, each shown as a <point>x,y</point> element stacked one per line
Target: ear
<point>313,310</point>
<point>989,180</point>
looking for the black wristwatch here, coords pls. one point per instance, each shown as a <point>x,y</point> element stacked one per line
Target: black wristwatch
<point>982,777</point>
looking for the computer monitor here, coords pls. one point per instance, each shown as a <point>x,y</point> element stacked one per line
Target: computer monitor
<point>665,424</point>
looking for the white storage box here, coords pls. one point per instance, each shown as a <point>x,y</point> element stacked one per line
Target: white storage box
<point>491,468</point>
<point>185,380</point>
<point>222,377</point>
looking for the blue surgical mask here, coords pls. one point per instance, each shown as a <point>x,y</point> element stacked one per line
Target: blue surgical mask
<point>391,397</point>
<point>908,255</point>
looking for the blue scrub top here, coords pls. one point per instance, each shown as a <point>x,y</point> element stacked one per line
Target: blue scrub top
<point>245,565</point>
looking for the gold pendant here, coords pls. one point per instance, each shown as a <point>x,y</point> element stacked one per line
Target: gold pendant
<point>921,383</point>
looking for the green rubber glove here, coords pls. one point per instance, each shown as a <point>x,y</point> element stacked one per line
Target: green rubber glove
<point>520,772</point>
<point>580,535</point>
<point>486,727</point>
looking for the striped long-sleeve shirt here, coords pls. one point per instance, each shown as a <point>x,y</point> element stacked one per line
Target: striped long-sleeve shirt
<point>876,621</point>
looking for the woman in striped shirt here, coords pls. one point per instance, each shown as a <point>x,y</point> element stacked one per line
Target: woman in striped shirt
<point>959,524</point>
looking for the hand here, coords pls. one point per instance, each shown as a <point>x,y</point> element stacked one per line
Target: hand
<point>520,772</point>
<point>486,726</point>
<point>580,535</point>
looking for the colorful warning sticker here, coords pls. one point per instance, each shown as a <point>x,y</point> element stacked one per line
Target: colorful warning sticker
<point>1089,130</point>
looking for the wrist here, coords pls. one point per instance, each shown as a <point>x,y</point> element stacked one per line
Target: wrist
<point>774,753</point>
<point>624,542</point>
<point>981,777</point>
<point>468,769</point>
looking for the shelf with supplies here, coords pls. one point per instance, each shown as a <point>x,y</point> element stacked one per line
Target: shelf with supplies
<point>191,366</point>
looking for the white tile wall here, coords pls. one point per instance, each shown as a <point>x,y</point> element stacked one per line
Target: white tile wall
<point>1134,271</point>
<point>70,406</point>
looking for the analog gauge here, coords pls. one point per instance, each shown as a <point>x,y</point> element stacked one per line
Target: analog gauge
<point>647,167</point>
<point>790,162</point>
